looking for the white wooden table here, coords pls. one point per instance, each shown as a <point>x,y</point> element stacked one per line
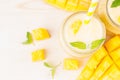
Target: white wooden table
<point>15,58</point>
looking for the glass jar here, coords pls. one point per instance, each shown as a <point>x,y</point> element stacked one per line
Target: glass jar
<point>109,16</point>
<point>93,31</point>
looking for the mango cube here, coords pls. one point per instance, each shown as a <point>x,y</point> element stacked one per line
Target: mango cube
<point>71,4</point>
<point>71,64</point>
<point>113,43</point>
<point>61,3</point>
<point>76,26</point>
<point>100,54</point>
<point>83,5</point>
<point>113,73</point>
<point>38,55</point>
<point>103,66</point>
<point>118,63</point>
<point>85,74</point>
<point>115,54</point>
<point>40,34</point>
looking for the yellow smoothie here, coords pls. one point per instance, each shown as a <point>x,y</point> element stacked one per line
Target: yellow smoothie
<point>86,34</point>
<point>110,16</point>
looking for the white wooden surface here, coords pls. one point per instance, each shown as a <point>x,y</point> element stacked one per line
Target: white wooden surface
<point>15,58</point>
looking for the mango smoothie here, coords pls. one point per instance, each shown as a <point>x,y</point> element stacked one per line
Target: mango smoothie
<point>110,16</point>
<point>82,40</point>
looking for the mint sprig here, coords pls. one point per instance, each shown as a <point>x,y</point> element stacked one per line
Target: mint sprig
<point>115,3</point>
<point>53,68</point>
<point>79,45</point>
<point>96,43</point>
<point>29,38</point>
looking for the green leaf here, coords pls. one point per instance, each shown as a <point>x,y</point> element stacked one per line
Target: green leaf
<point>29,38</point>
<point>53,72</point>
<point>115,3</point>
<point>96,43</point>
<point>79,45</point>
<point>48,65</point>
<point>53,69</point>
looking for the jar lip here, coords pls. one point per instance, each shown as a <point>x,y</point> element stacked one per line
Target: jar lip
<point>63,37</point>
<point>117,25</point>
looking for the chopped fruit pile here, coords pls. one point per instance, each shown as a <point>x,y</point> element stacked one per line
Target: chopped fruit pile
<point>76,26</point>
<point>70,5</point>
<point>38,55</point>
<point>105,63</point>
<point>71,64</point>
<point>40,34</point>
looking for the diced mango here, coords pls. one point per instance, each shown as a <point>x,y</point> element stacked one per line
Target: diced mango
<point>61,3</point>
<point>76,26</point>
<point>113,43</point>
<point>100,54</point>
<point>38,55</point>
<point>115,54</point>
<point>83,4</point>
<point>103,66</point>
<point>92,63</point>
<point>113,72</point>
<point>71,4</point>
<point>118,63</point>
<point>71,64</point>
<point>40,34</point>
<point>85,74</point>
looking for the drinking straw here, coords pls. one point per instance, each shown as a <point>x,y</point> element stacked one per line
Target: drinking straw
<point>91,11</point>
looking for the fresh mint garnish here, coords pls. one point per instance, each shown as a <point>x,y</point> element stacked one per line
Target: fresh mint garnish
<point>96,43</point>
<point>53,68</point>
<point>115,3</point>
<point>79,45</point>
<point>29,38</point>
<point>48,65</point>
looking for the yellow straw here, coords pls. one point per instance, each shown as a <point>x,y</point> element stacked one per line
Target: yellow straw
<point>91,11</point>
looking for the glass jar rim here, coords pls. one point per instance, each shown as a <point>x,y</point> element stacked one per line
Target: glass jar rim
<point>64,41</point>
<point>117,25</point>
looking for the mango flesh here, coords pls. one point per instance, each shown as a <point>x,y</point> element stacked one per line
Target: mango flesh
<point>104,64</point>
<point>40,34</point>
<point>71,64</point>
<point>38,55</point>
<point>70,5</point>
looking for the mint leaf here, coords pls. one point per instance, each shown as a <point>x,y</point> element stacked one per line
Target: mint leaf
<point>79,45</point>
<point>53,68</point>
<point>47,65</point>
<point>53,72</point>
<point>29,38</point>
<point>96,43</point>
<point>115,3</point>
